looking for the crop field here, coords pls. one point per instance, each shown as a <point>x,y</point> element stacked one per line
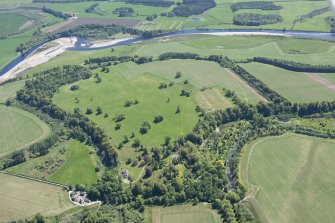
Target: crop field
<point>111,95</point>
<point>79,166</point>
<point>295,86</point>
<point>19,129</point>
<point>184,214</point>
<point>9,90</point>
<point>23,198</point>
<point>290,178</point>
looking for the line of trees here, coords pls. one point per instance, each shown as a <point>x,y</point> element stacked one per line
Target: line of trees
<point>57,14</point>
<point>92,8</point>
<point>64,1</point>
<point>193,7</point>
<point>263,5</point>
<point>124,11</point>
<point>90,31</point>
<point>157,3</point>
<point>295,66</point>
<point>253,19</point>
<point>311,14</point>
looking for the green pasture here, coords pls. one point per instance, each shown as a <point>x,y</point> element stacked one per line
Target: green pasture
<point>182,214</point>
<point>42,167</point>
<point>294,86</point>
<point>111,95</point>
<point>19,129</point>
<point>8,47</point>
<point>199,74</point>
<point>23,198</point>
<point>10,23</point>
<point>290,178</point>
<point>79,166</point>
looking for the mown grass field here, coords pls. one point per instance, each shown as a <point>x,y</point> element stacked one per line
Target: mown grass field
<point>9,90</point>
<point>295,86</point>
<point>182,214</point>
<point>290,178</point>
<point>22,198</point>
<point>79,166</point>
<point>111,95</point>
<point>19,129</point>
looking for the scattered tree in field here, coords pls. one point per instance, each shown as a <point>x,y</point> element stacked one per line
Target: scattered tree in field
<point>119,117</point>
<point>186,81</point>
<point>99,110</point>
<point>136,143</point>
<point>162,85</point>
<point>128,103</point>
<point>106,115</point>
<point>89,111</point>
<point>167,140</point>
<point>171,83</point>
<point>178,75</point>
<point>158,119</point>
<point>118,126</point>
<point>125,139</point>
<point>74,87</point>
<point>136,102</point>
<point>185,93</point>
<point>76,100</point>
<point>132,135</point>
<point>178,110</point>
<point>197,108</point>
<point>145,127</point>
<point>168,100</point>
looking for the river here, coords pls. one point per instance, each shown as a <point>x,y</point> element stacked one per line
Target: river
<point>83,45</point>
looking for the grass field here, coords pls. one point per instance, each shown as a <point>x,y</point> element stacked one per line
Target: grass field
<point>111,95</point>
<point>199,73</point>
<point>295,86</point>
<point>183,214</point>
<point>9,90</point>
<point>19,129</point>
<point>10,23</point>
<point>22,198</point>
<point>290,178</point>
<point>79,166</point>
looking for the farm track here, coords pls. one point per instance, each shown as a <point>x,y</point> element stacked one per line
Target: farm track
<point>321,80</point>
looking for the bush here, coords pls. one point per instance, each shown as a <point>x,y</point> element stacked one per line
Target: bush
<point>158,119</point>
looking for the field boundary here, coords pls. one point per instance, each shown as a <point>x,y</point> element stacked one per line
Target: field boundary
<point>35,179</point>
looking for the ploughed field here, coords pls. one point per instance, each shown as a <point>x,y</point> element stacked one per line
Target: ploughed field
<point>23,198</point>
<point>290,178</point>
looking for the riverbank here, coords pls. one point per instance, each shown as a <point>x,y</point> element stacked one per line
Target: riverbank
<point>43,56</point>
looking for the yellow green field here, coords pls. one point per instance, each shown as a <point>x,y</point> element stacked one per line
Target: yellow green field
<point>290,178</point>
<point>183,214</point>
<point>19,129</point>
<point>23,198</point>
